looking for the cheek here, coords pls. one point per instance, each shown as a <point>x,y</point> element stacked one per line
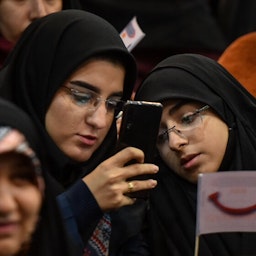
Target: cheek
<point>31,203</point>
<point>56,110</point>
<point>104,131</point>
<point>14,23</point>
<point>60,118</point>
<point>57,122</point>
<point>54,7</point>
<point>168,156</point>
<point>217,139</point>
<point>31,199</point>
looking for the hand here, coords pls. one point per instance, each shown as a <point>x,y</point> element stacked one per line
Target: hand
<point>108,181</point>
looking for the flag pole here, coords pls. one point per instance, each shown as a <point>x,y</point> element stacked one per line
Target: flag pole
<point>196,246</point>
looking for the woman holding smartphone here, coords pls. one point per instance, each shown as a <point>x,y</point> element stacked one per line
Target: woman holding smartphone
<point>71,72</point>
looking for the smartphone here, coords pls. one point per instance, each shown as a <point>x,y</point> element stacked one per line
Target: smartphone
<point>139,128</point>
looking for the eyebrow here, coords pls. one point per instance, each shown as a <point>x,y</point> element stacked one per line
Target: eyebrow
<point>92,88</point>
<point>177,106</point>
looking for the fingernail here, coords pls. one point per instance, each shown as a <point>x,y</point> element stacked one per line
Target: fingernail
<point>153,183</point>
<point>156,168</point>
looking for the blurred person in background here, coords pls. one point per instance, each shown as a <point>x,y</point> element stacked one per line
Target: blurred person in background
<point>16,15</point>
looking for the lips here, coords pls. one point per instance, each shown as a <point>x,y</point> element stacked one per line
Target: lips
<point>88,140</point>
<point>7,228</point>
<point>189,160</point>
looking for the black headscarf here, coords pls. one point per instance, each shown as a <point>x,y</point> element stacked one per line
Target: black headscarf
<point>49,51</point>
<point>50,225</point>
<point>172,214</point>
<point>71,4</point>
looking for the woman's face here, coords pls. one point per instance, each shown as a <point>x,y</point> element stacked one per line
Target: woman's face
<point>200,146</point>
<point>20,198</point>
<point>16,15</point>
<point>78,127</point>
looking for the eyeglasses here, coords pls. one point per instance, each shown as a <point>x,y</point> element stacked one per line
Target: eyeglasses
<point>184,126</point>
<point>92,100</point>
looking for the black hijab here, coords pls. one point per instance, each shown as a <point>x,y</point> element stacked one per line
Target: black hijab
<point>49,51</point>
<point>172,214</point>
<point>71,4</point>
<point>50,225</point>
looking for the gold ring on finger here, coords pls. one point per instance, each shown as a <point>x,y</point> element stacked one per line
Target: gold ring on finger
<point>130,187</point>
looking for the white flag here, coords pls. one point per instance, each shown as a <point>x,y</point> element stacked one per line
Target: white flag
<point>132,34</point>
<point>226,202</point>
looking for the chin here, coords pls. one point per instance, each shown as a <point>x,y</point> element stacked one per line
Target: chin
<point>7,249</point>
<point>82,157</point>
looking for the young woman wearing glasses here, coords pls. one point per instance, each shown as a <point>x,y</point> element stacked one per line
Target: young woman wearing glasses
<point>208,125</point>
<point>70,71</point>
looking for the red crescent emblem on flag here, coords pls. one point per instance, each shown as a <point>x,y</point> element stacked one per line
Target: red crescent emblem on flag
<point>245,210</point>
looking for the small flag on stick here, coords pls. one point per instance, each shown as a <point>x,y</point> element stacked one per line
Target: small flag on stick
<point>132,34</point>
<point>226,202</point>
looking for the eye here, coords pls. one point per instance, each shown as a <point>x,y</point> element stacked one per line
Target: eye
<point>82,98</point>
<point>188,119</point>
<point>24,179</point>
<point>162,137</point>
<point>23,172</point>
<point>114,105</point>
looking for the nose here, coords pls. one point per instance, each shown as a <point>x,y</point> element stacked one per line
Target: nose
<point>176,142</point>
<point>38,9</point>
<point>7,200</point>
<point>98,116</point>
<point>176,139</point>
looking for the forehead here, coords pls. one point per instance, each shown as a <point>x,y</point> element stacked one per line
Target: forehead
<point>14,162</point>
<point>176,104</point>
<point>102,76</point>
<point>13,156</point>
<point>10,140</point>
<point>94,64</point>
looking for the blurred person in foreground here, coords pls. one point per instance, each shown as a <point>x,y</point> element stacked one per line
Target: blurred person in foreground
<point>30,221</point>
